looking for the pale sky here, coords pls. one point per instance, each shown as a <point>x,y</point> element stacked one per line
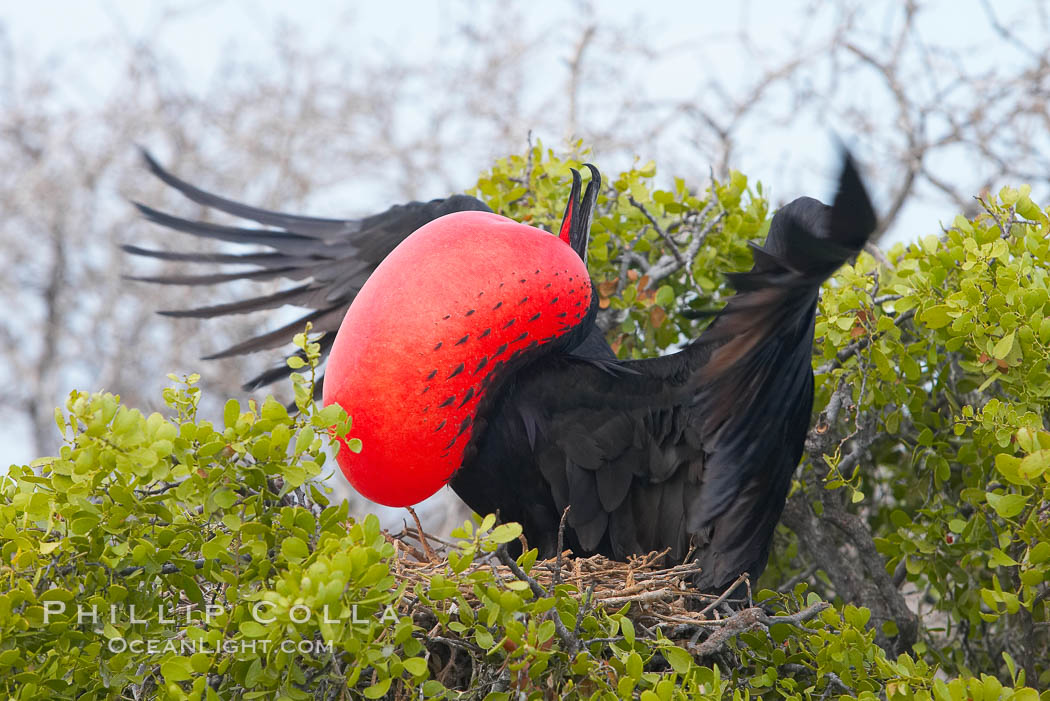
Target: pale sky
<point>790,160</point>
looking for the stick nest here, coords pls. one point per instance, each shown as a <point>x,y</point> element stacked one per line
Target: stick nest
<point>660,596</point>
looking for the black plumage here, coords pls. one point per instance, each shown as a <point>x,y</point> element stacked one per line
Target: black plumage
<point>692,451</point>
<point>333,256</point>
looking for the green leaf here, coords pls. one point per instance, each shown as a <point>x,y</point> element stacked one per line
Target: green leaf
<point>679,659</point>
<point>253,629</point>
<point>416,666</point>
<point>176,669</point>
<point>1003,346</point>
<point>937,316</point>
<point>1025,694</point>
<point>506,532</point>
<point>1039,553</point>
<point>1009,466</point>
<point>1044,330</point>
<point>84,523</point>
<point>225,498</point>
<point>200,662</point>
<point>273,410</point>
<point>1000,559</point>
<point>329,415</point>
<point>1006,505</point>
<point>231,412</point>
<point>217,546</point>
<point>988,382</point>
<point>627,628</point>
<point>378,690</point>
<point>294,549</point>
<point>910,367</point>
<point>1035,464</point>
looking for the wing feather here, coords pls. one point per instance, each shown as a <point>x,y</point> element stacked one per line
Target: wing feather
<point>333,256</point>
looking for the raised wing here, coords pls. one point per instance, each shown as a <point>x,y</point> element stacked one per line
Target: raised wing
<point>329,258</point>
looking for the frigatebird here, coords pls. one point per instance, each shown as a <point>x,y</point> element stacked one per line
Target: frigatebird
<point>468,354</point>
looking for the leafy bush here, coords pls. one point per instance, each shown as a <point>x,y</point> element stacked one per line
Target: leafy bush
<point>168,557</point>
<point>925,485</point>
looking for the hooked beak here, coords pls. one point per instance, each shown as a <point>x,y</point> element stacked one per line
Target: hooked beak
<point>576,225</point>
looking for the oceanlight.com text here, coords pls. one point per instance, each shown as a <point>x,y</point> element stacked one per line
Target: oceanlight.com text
<point>156,646</point>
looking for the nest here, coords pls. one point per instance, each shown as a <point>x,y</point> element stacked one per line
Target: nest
<point>663,602</point>
<point>661,597</point>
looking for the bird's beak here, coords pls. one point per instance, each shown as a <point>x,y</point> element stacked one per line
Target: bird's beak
<point>576,225</point>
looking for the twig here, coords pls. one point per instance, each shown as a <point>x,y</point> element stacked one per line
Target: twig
<point>166,568</point>
<point>725,594</point>
<point>556,575</point>
<point>585,606</point>
<point>877,254</point>
<point>422,537</point>
<point>659,229</point>
<point>644,597</point>
<point>402,545</point>
<point>430,536</point>
<point>668,264</point>
<point>163,487</point>
<point>834,679</point>
<point>790,584</point>
<point>571,641</point>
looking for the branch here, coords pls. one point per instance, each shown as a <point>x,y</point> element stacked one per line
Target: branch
<point>669,264</point>
<point>725,595</point>
<point>1005,33</point>
<point>843,547</point>
<point>422,537</point>
<point>659,229</point>
<point>556,575</point>
<point>750,619</point>
<point>572,642</point>
<point>166,568</point>
<point>575,72</point>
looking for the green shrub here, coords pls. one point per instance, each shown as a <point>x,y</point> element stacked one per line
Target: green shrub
<point>168,557</point>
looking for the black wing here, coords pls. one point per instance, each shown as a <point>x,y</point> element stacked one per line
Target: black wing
<point>694,450</point>
<point>329,258</point>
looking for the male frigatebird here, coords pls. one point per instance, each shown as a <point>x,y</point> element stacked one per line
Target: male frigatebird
<point>469,355</point>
